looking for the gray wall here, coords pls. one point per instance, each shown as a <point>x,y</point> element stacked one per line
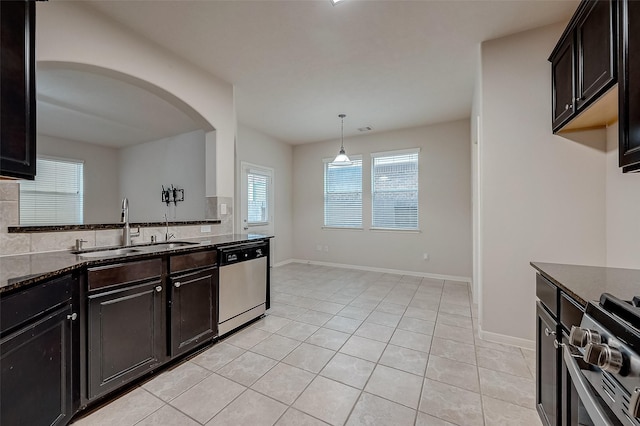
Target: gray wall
<point>177,161</point>
<point>623,209</point>
<point>444,210</point>
<point>542,196</point>
<point>263,150</point>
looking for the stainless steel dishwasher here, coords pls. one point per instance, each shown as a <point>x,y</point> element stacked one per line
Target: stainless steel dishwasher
<point>243,284</point>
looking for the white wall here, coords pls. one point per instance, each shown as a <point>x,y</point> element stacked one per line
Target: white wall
<point>444,210</point>
<point>542,196</point>
<point>101,171</point>
<point>263,150</point>
<point>177,161</point>
<point>623,209</point>
<point>475,122</point>
<point>73,33</point>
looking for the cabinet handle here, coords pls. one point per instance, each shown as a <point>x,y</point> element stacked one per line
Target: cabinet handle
<point>159,288</point>
<point>177,284</point>
<point>557,344</point>
<point>548,332</point>
<point>72,316</point>
<point>566,107</point>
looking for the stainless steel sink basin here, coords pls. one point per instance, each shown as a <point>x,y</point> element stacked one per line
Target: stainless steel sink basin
<point>107,253</point>
<point>123,251</point>
<point>166,245</point>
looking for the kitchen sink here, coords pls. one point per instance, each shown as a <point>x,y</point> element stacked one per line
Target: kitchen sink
<point>134,250</point>
<point>166,245</point>
<point>106,253</point>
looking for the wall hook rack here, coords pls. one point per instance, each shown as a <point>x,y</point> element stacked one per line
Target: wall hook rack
<point>172,195</point>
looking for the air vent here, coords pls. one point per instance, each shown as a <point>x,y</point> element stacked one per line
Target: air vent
<point>608,387</point>
<point>365,128</point>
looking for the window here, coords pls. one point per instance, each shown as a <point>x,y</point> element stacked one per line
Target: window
<point>257,197</point>
<point>343,194</point>
<point>394,190</point>
<point>56,194</point>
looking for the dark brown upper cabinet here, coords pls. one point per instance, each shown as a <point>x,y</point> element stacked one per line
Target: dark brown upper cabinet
<point>17,89</point>
<point>629,86</point>
<point>562,67</point>
<point>596,51</point>
<point>584,68</point>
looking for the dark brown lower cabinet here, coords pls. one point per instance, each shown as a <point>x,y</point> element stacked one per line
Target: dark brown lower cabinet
<point>193,309</point>
<point>125,335</point>
<point>36,373</point>
<point>547,360</point>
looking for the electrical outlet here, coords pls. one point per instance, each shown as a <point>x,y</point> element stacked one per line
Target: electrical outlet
<point>223,208</point>
<point>205,228</point>
<point>425,257</point>
<point>326,249</point>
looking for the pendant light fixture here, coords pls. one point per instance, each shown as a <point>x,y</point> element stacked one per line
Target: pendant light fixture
<point>341,159</point>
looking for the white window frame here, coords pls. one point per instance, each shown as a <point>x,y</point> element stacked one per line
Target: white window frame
<point>376,155</point>
<point>269,178</point>
<point>53,220</point>
<point>326,163</point>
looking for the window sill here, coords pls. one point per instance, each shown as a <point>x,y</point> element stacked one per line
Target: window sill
<point>404,231</point>
<point>340,228</point>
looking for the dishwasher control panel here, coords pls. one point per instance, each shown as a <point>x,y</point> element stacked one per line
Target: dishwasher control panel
<point>241,253</point>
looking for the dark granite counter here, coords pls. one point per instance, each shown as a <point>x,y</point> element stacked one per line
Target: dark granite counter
<point>29,269</point>
<point>585,283</point>
<point>100,226</point>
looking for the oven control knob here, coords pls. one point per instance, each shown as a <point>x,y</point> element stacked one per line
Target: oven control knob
<point>580,337</point>
<point>634,404</point>
<point>608,358</point>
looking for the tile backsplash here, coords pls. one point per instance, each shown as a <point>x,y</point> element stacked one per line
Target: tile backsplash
<point>21,243</point>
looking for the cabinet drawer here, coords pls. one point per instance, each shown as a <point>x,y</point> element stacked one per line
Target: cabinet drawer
<point>123,273</point>
<point>548,294</point>
<point>570,312</point>
<point>184,262</point>
<point>20,307</point>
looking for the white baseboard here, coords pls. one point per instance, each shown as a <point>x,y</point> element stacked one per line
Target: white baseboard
<point>506,340</point>
<point>284,262</point>
<point>383,270</point>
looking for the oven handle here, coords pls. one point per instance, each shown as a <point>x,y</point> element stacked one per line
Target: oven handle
<point>597,414</point>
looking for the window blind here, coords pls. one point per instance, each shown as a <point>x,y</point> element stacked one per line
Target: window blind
<point>257,197</point>
<point>343,194</point>
<point>394,190</point>
<point>56,196</point>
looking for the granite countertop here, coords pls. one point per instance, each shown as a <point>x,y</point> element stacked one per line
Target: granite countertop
<point>96,226</point>
<point>28,269</point>
<point>585,283</point>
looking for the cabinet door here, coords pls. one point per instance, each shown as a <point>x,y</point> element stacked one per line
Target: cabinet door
<point>35,379</point>
<point>17,85</point>
<point>546,367</point>
<point>629,85</point>
<point>596,37</point>
<point>193,309</point>
<point>125,335</point>
<point>562,74</point>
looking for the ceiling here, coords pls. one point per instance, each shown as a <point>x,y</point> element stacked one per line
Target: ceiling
<point>79,105</point>
<point>295,65</point>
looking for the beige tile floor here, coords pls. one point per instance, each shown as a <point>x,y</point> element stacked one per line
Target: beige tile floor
<point>343,346</point>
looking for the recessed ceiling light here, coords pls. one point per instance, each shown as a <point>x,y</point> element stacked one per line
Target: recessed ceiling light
<point>365,128</point>
<point>334,2</point>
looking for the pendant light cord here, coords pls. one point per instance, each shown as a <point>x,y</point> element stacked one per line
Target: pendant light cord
<point>342,116</point>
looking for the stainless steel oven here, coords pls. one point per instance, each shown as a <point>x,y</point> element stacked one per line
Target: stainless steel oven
<point>602,366</point>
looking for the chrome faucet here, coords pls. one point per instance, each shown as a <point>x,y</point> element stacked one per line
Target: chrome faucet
<point>167,235</point>
<point>126,230</point>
